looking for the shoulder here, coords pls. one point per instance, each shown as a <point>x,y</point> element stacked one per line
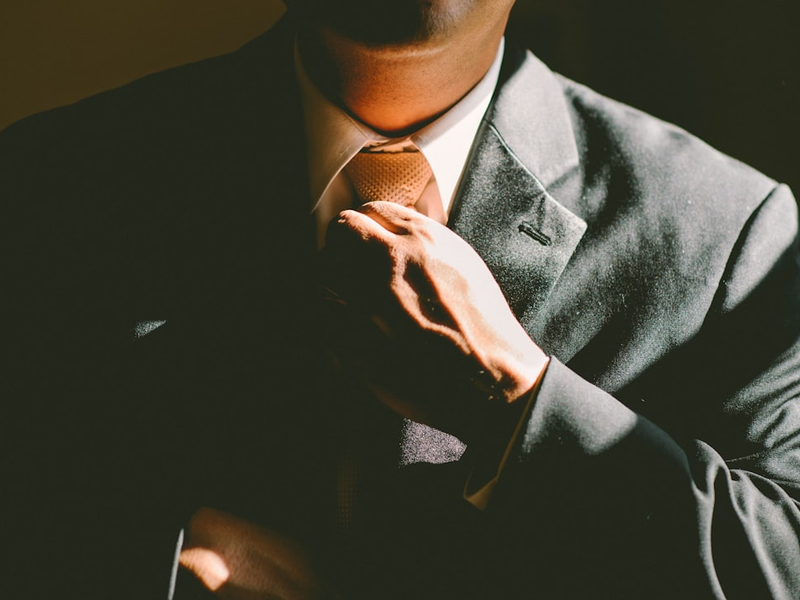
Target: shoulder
<point>140,177</point>
<point>161,135</point>
<point>163,112</point>
<point>655,160</point>
<point>666,213</point>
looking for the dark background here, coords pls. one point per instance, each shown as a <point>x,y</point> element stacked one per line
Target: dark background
<point>725,70</point>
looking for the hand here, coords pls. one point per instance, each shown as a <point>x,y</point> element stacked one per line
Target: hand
<point>238,560</point>
<point>444,345</point>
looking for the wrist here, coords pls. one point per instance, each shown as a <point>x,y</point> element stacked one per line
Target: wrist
<point>501,408</point>
<point>515,373</point>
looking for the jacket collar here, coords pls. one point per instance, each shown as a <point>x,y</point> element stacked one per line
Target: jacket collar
<point>530,114</point>
<point>504,209</point>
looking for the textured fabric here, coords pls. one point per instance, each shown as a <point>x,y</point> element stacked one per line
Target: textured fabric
<point>397,177</point>
<point>423,444</point>
<point>661,456</point>
<point>347,482</point>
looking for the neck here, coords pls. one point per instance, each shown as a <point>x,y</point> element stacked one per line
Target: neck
<point>396,89</point>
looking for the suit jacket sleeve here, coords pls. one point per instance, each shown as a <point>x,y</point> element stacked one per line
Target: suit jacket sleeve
<point>612,505</point>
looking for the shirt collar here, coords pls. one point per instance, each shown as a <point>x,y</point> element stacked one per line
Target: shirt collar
<point>333,137</point>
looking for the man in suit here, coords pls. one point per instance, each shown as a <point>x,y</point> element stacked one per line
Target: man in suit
<point>585,384</point>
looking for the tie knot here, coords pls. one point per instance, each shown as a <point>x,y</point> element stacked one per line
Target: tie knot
<point>398,177</point>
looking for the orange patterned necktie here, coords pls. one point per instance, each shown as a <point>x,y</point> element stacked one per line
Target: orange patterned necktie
<point>398,177</point>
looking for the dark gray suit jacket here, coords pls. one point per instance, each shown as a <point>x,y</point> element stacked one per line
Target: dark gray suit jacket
<point>162,340</point>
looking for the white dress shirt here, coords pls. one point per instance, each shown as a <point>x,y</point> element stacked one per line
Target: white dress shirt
<point>333,137</point>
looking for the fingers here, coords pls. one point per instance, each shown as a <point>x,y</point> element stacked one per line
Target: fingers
<point>361,246</point>
<point>352,225</point>
<point>242,561</point>
<point>378,221</point>
<point>207,565</point>
<point>392,217</point>
<point>362,268</point>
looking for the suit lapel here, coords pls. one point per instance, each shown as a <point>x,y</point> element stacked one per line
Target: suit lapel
<point>504,209</point>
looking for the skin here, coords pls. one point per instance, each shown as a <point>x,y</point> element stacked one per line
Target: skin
<point>410,284</point>
<point>396,81</point>
<point>425,293</point>
<point>238,560</point>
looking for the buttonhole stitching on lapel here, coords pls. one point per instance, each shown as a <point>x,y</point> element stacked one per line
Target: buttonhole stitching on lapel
<point>530,230</point>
